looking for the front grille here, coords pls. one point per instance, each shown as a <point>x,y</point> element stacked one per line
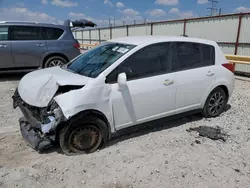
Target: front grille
<point>40,114</point>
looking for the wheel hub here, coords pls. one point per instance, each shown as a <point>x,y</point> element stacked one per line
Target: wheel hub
<point>84,138</point>
<point>55,63</point>
<point>216,103</point>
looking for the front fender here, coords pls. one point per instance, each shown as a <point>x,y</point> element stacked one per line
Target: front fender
<point>87,98</point>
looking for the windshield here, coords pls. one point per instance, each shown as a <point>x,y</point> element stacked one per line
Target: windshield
<point>94,61</point>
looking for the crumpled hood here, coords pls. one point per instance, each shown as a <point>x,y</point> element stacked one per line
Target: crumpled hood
<point>39,87</point>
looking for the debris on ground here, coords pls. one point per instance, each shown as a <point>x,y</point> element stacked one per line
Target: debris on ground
<point>214,133</point>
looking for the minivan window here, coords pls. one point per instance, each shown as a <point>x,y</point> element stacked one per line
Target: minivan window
<point>96,60</point>
<point>25,33</point>
<point>4,33</point>
<point>149,61</point>
<point>51,33</point>
<point>188,55</point>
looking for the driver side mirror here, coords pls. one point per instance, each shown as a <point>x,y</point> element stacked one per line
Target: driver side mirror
<point>122,81</point>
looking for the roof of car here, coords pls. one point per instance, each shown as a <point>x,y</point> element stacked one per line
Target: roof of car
<point>137,40</point>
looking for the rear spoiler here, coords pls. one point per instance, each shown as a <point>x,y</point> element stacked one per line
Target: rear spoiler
<point>82,23</point>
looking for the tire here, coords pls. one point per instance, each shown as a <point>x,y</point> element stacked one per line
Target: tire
<point>84,135</point>
<point>55,61</point>
<point>215,103</point>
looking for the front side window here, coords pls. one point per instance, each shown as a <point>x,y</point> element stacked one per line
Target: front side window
<point>149,61</point>
<point>96,60</point>
<point>50,33</point>
<point>4,33</point>
<point>25,33</point>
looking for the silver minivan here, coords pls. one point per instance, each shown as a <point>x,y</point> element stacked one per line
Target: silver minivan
<point>30,45</point>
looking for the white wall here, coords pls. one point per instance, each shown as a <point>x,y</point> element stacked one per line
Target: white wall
<point>219,29</point>
<point>171,29</point>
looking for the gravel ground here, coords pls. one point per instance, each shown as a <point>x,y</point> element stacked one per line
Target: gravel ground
<point>166,156</point>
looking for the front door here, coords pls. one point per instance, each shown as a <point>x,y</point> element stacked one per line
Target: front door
<point>150,91</point>
<point>5,49</point>
<point>27,46</point>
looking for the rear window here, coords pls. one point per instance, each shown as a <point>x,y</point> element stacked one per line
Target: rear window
<point>51,33</point>
<point>25,33</point>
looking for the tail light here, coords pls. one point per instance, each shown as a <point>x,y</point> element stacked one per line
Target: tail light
<point>76,45</point>
<point>229,66</point>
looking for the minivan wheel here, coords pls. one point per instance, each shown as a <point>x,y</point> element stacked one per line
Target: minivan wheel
<point>55,61</point>
<point>82,136</point>
<point>215,103</point>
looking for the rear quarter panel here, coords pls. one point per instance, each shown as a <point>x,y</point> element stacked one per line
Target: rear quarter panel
<point>222,75</point>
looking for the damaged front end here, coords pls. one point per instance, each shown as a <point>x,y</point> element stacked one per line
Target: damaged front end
<point>39,123</point>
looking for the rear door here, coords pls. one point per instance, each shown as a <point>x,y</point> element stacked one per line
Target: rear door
<point>51,36</point>
<point>27,46</point>
<point>5,48</point>
<point>194,67</point>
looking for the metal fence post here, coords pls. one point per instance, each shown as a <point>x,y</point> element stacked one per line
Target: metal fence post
<point>82,37</point>
<point>184,27</point>
<point>127,30</point>
<point>151,29</point>
<point>110,32</point>
<point>89,36</point>
<point>99,33</point>
<point>238,35</point>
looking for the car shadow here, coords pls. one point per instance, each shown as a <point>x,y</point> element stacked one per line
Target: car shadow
<point>155,126</point>
<point>144,129</point>
<point>11,76</point>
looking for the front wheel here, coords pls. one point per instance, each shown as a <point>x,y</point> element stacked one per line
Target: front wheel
<point>215,103</point>
<point>82,136</point>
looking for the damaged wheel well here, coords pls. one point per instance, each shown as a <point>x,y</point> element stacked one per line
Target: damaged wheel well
<point>87,113</point>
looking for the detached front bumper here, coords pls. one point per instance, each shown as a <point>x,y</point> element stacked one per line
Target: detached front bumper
<point>32,130</point>
<point>33,136</point>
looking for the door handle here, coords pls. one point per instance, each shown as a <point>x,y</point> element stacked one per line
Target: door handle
<point>168,82</point>
<point>40,45</point>
<point>3,45</point>
<point>210,73</point>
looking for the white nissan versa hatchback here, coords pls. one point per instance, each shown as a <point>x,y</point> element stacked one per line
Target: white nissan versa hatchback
<point>119,84</point>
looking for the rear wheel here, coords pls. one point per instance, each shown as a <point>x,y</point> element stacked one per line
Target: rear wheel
<point>55,61</point>
<point>215,103</point>
<point>82,136</point>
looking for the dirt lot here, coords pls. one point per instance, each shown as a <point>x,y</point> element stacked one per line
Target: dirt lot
<point>159,157</point>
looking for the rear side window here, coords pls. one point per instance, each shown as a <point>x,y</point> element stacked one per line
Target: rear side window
<point>25,33</point>
<point>50,33</point>
<point>188,55</point>
<point>4,33</point>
